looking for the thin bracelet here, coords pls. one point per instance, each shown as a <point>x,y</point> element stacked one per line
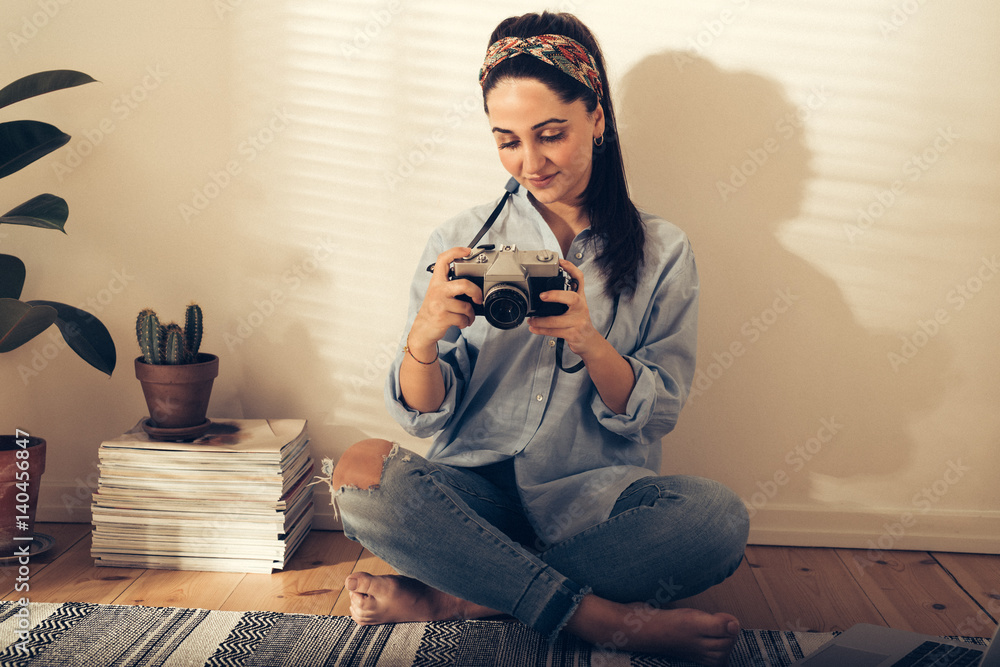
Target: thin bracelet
<point>406,348</point>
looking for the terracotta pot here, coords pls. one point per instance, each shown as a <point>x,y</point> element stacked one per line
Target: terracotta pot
<point>21,471</point>
<point>177,395</point>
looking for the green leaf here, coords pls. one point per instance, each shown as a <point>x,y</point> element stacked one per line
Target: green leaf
<point>85,335</point>
<point>24,141</point>
<point>45,211</point>
<point>41,83</point>
<point>11,277</point>
<point>20,322</point>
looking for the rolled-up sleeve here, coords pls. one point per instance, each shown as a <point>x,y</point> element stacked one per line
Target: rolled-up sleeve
<point>452,354</point>
<point>664,360</point>
<point>421,424</point>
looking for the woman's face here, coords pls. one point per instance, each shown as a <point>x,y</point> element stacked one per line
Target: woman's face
<point>545,144</point>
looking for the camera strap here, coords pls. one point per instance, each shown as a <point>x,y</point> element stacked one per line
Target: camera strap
<point>579,365</point>
<point>510,188</point>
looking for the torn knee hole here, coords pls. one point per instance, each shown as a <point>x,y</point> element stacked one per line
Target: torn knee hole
<point>354,487</point>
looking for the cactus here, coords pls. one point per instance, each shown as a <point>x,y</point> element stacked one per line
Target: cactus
<point>192,329</point>
<point>174,351</point>
<point>147,330</point>
<point>169,344</point>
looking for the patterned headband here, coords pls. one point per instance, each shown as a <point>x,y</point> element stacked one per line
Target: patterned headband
<point>562,52</point>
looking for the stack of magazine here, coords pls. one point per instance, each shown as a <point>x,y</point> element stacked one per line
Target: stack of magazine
<point>237,499</point>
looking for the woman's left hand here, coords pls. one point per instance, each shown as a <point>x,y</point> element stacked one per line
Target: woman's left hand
<point>610,372</point>
<point>574,326</point>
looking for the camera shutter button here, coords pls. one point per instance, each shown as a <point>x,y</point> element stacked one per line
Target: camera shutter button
<point>544,256</point>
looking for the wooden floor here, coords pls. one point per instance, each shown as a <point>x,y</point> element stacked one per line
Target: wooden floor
<point>776,588</point>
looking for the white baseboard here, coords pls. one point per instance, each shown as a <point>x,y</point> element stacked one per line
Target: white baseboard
<point>799,526</point>
<point>883,530</point>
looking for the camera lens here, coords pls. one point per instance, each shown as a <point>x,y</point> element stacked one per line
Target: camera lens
<point>505,306</point>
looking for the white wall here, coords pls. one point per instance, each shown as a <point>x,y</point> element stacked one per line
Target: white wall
<point>282,163</point>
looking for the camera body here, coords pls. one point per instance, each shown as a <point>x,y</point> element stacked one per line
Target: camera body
<point>512,281</point>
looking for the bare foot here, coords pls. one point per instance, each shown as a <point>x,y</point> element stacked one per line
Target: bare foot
<point>688,634</point>
<point>393,598</point>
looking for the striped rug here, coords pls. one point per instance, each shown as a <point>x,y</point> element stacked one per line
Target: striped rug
<point>91,635</point>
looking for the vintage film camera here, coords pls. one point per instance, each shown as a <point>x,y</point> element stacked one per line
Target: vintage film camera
<point>511,281</point>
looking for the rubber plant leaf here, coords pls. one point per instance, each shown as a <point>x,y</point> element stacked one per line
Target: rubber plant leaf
<point>46,211</point>
<point>24,141</point>
<point>20,322</point>
<point>41,83</point>
<point>85,335</point>
<point>11,277</point>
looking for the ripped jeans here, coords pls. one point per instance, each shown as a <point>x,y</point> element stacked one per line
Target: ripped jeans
<point>463,531</point>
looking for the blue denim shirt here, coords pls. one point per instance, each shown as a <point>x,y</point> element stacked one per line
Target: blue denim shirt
<point>505,397</point>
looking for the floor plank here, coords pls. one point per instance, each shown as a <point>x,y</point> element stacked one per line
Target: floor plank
<point>979,577</point>
<point>739,595</point>
<point>912,591</point>
<point>810,589</point>
<point>370,563</point>
<point>310,584</point>
<point>181,588</point>
<point>65,536</point>
<point>73,577</point>
<point>776,588</point>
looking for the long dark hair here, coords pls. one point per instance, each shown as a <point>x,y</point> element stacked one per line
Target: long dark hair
<point>613,217</point>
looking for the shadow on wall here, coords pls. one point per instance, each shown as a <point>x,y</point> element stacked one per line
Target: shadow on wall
<point>788,382</point>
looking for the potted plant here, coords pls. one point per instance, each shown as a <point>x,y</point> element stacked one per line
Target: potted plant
<point>22,457</point>
<point>176,378</point>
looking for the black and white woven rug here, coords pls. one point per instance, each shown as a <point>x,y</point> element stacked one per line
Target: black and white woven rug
<point>91,635</point>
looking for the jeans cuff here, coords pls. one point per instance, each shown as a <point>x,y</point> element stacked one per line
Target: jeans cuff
<point>560,609</point>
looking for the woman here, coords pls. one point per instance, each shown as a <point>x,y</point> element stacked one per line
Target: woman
<point>540,497</point>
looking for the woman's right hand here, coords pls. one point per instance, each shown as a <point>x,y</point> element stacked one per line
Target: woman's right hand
<point>440,309</point>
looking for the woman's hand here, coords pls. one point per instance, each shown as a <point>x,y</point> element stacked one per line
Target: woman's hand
<point>574,326</point>
<point>440,309</point>
<point>610,372</point>
<point>420,380</point>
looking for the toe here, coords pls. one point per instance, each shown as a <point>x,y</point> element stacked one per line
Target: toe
<point>358,582</point>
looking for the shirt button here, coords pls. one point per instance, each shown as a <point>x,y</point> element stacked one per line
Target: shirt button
<point>539,397</point>
<point>579,255</point>
<point>552,343</point>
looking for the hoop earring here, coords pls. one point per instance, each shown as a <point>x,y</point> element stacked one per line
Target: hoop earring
<point>599,141</point>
